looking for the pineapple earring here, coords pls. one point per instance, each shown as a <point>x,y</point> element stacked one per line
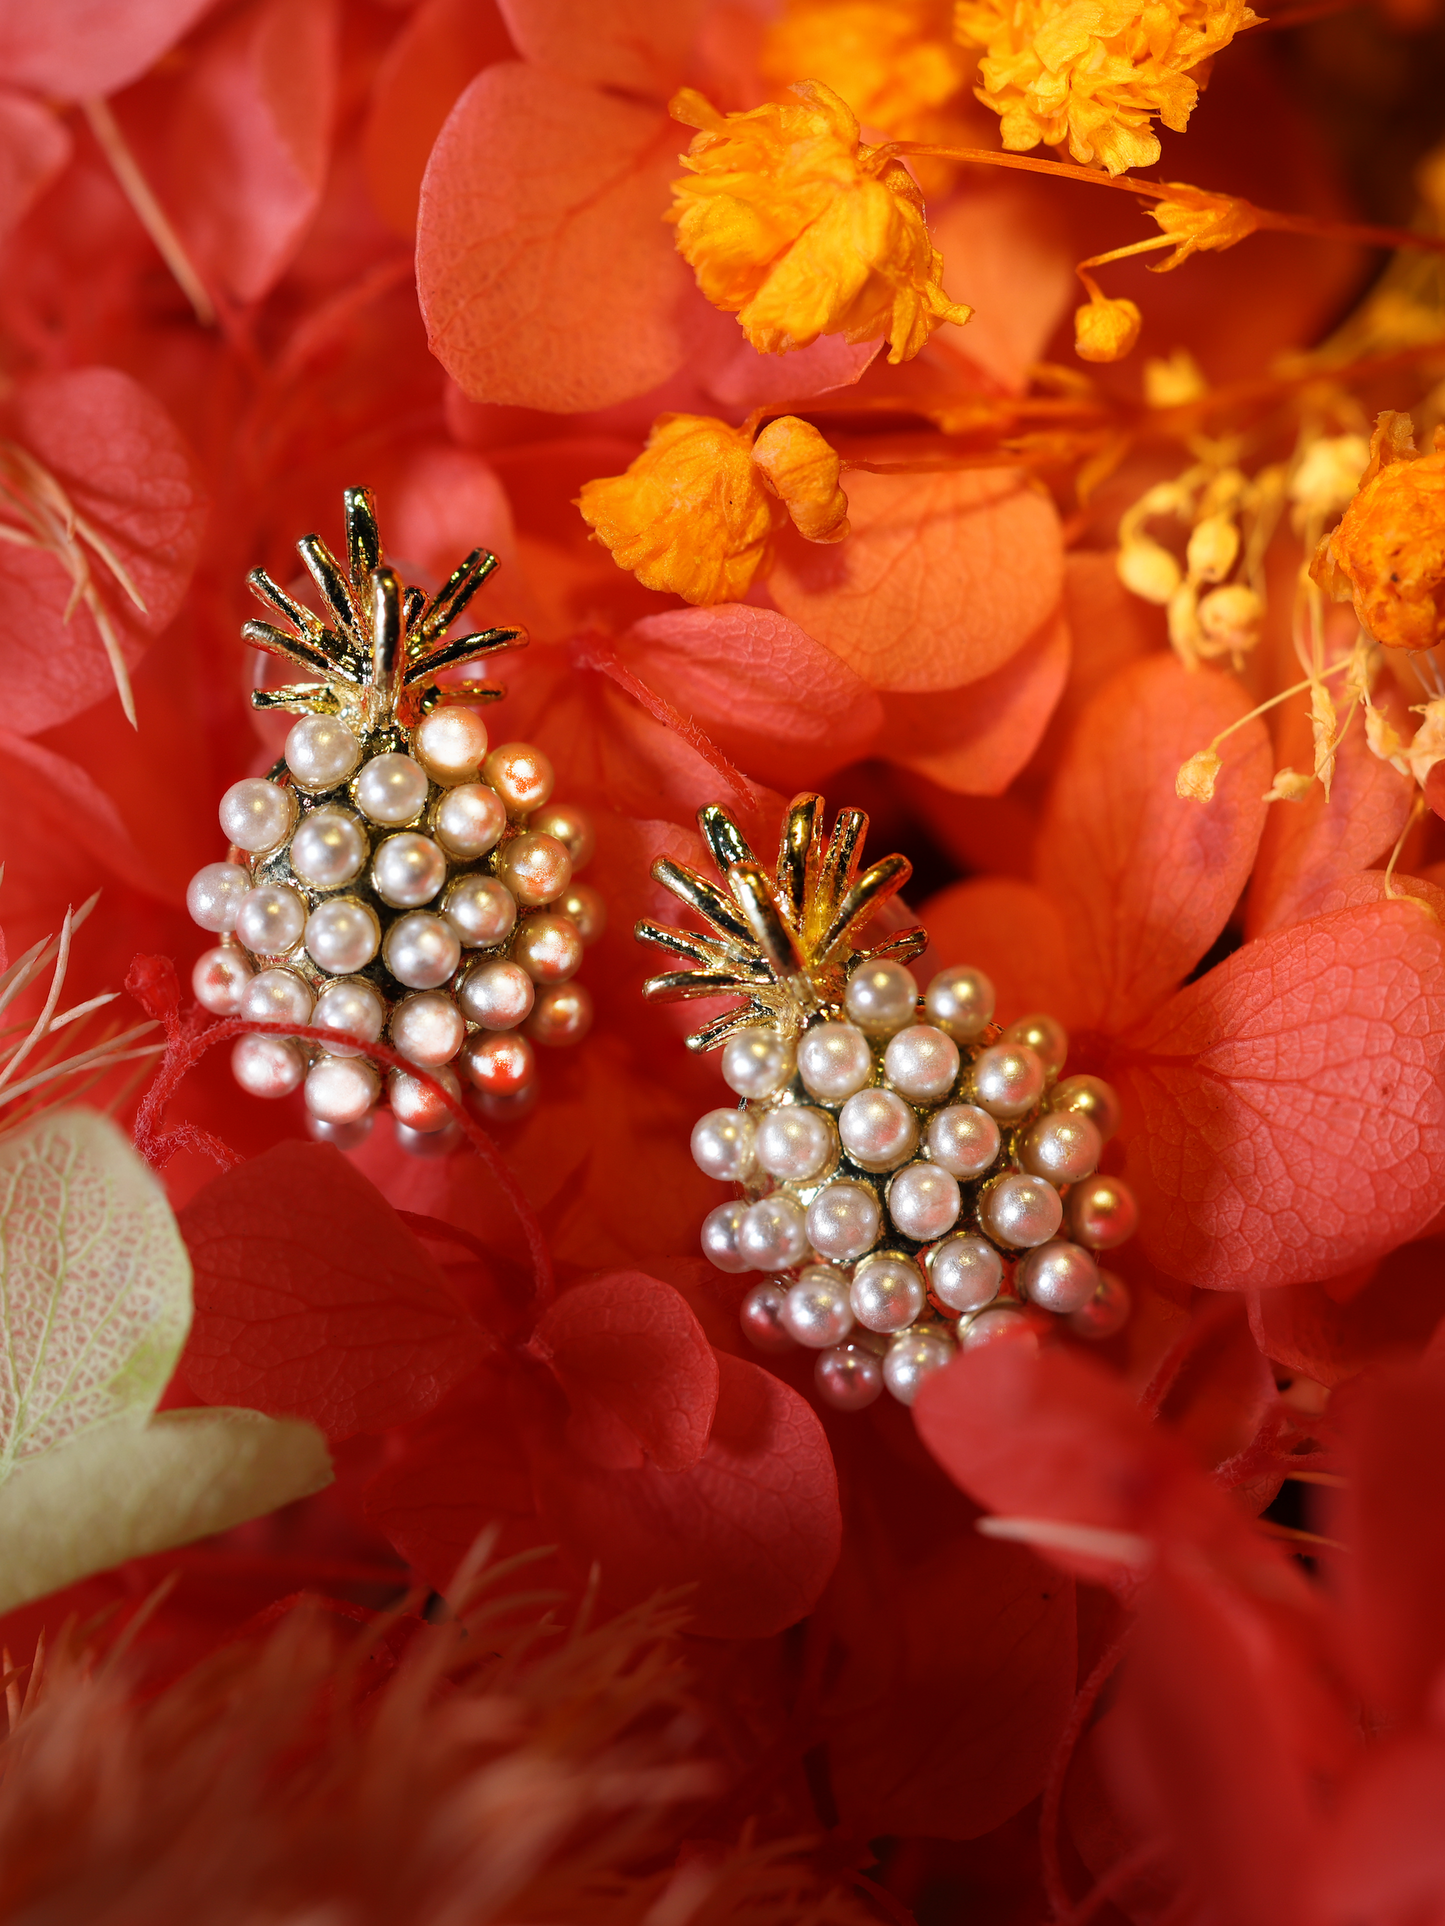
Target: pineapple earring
<point>913,1177</point>
<point>390,875</point>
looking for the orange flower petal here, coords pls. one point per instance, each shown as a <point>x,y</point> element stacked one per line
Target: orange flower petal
<point>636,46</point>
<point>73,49</point>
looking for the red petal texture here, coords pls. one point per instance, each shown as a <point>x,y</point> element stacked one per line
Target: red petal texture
<point>632,1357</point>
<point>1383,1859</point>
<point>976,739</point>
<point>776,702</point>
<point>744,378</point>
<point>1143,880</point>
<point>72,49</point>
<point>124,467</point>
<point>329,1310</point>
<point>754,1525</point>
<point>538,188</point>
<point>34,146</point>
<point>943,579</point>
<point>1007,254</point>
<point>637,46</point>
<point>1310,1329</point>
<point>426,68</point>
<point>1292,1122</point>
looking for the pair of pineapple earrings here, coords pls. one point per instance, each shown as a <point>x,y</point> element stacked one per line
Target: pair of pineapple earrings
<point>909,1177</point>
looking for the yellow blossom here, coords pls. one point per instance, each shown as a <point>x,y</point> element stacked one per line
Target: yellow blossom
<point>798,230</point>
<point>696,512</point>
<point>893,61</point>
<point>1106,330</point>
<point>1388,552</point>
<point>1290,785</point>
<point>1175,382</point>
<point>1200,223</point>
<point>1196,779</point>
<point>1095,73</point>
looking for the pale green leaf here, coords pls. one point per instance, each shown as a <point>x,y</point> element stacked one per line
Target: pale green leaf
<point>95,1284</point>
<point>121,1491</point>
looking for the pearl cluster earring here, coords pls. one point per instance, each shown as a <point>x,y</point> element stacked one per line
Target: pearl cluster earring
<point>394,877</point>
<point>912,1177</point>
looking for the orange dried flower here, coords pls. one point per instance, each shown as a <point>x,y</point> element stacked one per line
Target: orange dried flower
<point>1201,223</point>
<point>1388,553</point>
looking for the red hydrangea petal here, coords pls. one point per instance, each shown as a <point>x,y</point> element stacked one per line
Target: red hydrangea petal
<point>34,145</point>
<point>1008,254</point>
<point>1012,932</point>
<point>627,1350</point>
<point>1143,879</point>
<point>74,49</point>
<point>754,1525</point>
<point>538,189</point>
<point>1384,1855</point>
<point>745,378</point>
<point>328,1310</point>
<point>1292,1122</point>
<point>1311,1329</point>
<point>637,46</point>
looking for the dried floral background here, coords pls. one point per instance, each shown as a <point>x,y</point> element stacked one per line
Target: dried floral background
<point>388,1538</point>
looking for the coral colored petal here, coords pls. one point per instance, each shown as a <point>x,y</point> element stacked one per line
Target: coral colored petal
<point>329,1310</point>
<point>1013,933</point>
<point>1144,880</point>
<point>72,49</point>
<point>1292,1118</point>
<point>122,464</point>
<point>34,146</point>
<point>747,379</point>
<point>976,739</point>
<point>441,47</point>
<point>1306,1327</point>
<point>754,1525</point>
<point>944,577</point>
<point>547,276</point>
<point>1005,253</point>
<point>777,703</point>
<point>629,1353</point>
<point>1110,627</point>
<point>637,46</point>
<point>1309,847</point>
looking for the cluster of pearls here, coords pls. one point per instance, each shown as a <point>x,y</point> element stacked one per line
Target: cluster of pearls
<point>913,1180</point>
<point>416,889</point>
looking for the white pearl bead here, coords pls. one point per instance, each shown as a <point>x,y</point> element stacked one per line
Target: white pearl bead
<point>912,1358</point>
<point>834,1061</point>
<point>416,1104</point>
<point>427,1029</point>
<point>1089,1097</point>
<point>267,1066</point>
<point>966,1272</point>
<point>450,744</point>
<point>794,1143</point>
<point>521,775</point>
<point>1008,1079</point>
<point>408,870</point>
<point>843,1221</point>
<point>1102,1213</point>
<point>878,1129</point>
<point>214,895</point>
<point>269,920</point>
<point>547,947</point>
<point>321,752</point>
<point>757,1062</point>
<point>482,911</point>
<point>887,1293</point>
<point>256,814</point>
<point>1000,1325</point>
<point>469,820</point>
<point>1062,1146</point>
<point>817,1312</point>
<point>921,1063</point>
<point>342,935</point>
<point>583,905</point>
<point>535,868</point>
<point>1058,1275</point>
<point>571,826</point>
<point>391,788</point>
<point>341,1090</point>
<point>1044,1035</point>
<point>219,980</point>
<point>960,1001</point>
<point>277,996</point>
<point>773,1235</point>
<point>497,995</point>
<point>421,950</point>
<point>1019,1210</point>
<point>329,848</point>
<point>501,1065</point>
<point>963,1139</point>
<point>849,1378</point>
<point>354,1009</point>
<point>881,998</point>
<point>722,1145</point>
<point>924,1202</point>
<point>1106,1312</point>
<point>761,1316</point>
<point>720,1236</point>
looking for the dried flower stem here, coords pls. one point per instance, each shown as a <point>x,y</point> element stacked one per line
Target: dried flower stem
<point>151,215</point>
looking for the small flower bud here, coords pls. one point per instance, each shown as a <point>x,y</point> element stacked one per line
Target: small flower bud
<point>1329,473</point>
<point>798,466</point>
<point>1106,330</point>
<point>1147,570</point>
<point>1290,785</point>
<point>1384,739</point>
<point>1196,779</point>
<point>1213,546</point>
<point>1230,619</point>
<point>1172,383</point>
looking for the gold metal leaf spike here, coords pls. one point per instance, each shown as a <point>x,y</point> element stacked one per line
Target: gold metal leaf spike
<point>784,943</point>
<point>378,658</point>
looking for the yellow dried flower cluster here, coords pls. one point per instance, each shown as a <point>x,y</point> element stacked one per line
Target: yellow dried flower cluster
<point>1388,553</point>
<point>1095,73</point>
<point>894,61</point>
